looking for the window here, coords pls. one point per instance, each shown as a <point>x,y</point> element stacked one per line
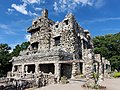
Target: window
<point>66,22</point>
<point>34,45</point>
<point>57,41</point>
<point>35,23</point>
<point>40,20</point>
<point>80,56</point>
<point>56,26</point>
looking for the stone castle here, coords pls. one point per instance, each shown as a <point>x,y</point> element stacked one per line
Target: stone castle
<point>60,48</point>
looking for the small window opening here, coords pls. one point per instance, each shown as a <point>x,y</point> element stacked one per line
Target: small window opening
<point>34,45</point>
<point>57,41</point>
<point>66,22</point>
<point>56,26</point>
<point>15,68</point>
<point>40,20</point>
<point>80,56</point>
<point>31,68</point>
<point>35,23</point>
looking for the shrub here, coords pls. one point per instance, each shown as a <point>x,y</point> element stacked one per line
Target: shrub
<point>116,74</point>
<point>64,80</point>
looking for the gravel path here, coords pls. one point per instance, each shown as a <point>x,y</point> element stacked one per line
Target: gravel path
<point>111,84</point>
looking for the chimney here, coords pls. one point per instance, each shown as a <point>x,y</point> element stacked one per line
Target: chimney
<point>45,13</point>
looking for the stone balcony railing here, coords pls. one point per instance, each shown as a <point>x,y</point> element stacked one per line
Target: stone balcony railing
<point>15,75</point>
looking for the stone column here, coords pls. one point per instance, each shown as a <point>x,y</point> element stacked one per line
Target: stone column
<point>37,68</point>
<point>23,70</point>
<point>82,44</point>
<point>26,69</point>
<point>57,71</point>
<point>101,71</point>
<point>89,69</point>
<point>83,68</point>
<point>74,70</point>
<point>13,68</point>
<point>82,47</point>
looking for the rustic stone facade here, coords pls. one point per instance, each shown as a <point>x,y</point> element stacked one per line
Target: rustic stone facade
<point>60,48</point>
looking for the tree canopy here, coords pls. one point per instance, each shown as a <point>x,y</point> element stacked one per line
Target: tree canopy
<point>5,56</point>
<point>19,48</point>
<point>109,47</point>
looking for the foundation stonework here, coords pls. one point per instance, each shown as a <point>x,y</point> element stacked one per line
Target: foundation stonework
<point>57,48</point>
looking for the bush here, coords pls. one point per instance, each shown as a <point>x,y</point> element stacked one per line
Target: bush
<point>64,80</point>
<point>116,74</point>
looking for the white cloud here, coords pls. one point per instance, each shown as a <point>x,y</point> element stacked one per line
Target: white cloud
<point>10,10</point>
<point>38,9</point>
<point>6,29</point>
<point>9,32</point>
<point>69,5</point>
<point>23,8</point>
<point>103,19</point>
<point>20,8</point>
<point>3,26</point>
<point>32,14</point>
<point>55,6</point>
<point>27,37</point>
<point>99,3</point>
<point>84,2</point>
<point>33,1</point>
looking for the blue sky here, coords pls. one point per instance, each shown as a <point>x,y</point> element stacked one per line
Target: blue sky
<point>100,17</point>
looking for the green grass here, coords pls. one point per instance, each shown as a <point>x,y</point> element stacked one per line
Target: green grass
<point>116,74</point>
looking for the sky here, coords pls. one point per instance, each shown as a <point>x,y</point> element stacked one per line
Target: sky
<point>100,17</point>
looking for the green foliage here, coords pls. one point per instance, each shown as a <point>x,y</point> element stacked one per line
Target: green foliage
<point>95,77</point>
<point>5,56</point>
<point>109,47</point>
<point>116,74</point>
<point>19,48</point>
<point>64,80</point>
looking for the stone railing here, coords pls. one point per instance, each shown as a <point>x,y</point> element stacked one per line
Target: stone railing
<point>15,75</point>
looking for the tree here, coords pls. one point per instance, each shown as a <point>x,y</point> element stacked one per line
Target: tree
<point>109,47</point>
<point>5,56</point>
<point>19,48</point>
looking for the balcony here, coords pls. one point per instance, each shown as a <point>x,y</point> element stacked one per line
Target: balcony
<point>32,28</point>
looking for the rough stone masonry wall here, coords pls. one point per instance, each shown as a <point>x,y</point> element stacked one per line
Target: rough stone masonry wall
<point>69,40</point>
<point>42,33</point>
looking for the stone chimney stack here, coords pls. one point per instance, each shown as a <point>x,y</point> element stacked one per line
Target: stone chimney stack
<point>45,13</point>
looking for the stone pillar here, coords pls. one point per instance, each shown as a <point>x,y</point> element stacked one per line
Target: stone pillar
<point>82,44</point>
<point>89,68</point>
<point>105,69</point>
<point>74,70</point>
<point>57,71</point>
<point>37,68</point>
<point>82,47</point>
<point>26,69</point>
<point>101,74</point>
<point>109,68</point>
<point>13,68</point>
<point>23,70</point>
<point>83,68</point>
